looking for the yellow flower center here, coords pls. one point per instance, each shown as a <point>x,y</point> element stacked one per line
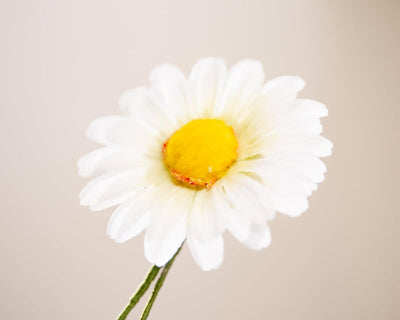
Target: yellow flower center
<point>200,152</point>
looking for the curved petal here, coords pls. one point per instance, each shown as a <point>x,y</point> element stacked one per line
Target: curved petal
<point>307,108</point>
<point>244,217</point>
<point>206,81</point>
<point>133,216</point>
<point>243,83</point>
<point>170,85</point>
<point>112,188</point>
<point>109,158</point>
<point>259,236</point>
<point>256,192</point>
<point>305,143</point>
<point>254,235</point>
<point>252,138</point>
<point>146,108</point>
<point>209,254</point>
<point>282,88</point>
<point>204,219</point>
<point>287,187</point>
<point>290,203</point>
<point>304,164</point>
<point>167,227</point>
<point>119,131</point>
<point>309,166</point>
<point>297,117</point>
<point>245,195</point>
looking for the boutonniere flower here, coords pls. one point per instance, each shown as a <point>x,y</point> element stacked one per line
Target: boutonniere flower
<point>190,158</point>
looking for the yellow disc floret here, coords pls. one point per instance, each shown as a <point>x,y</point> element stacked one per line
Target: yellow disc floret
<point>201,152</point>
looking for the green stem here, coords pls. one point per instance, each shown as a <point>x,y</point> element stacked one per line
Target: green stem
<point>157,287</point>
<point>140,292</point>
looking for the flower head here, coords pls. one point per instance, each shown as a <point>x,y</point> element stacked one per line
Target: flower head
<point>193,157</point>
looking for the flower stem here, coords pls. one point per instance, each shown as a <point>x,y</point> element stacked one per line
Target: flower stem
<point>158,286</point>
<point>140,292</point>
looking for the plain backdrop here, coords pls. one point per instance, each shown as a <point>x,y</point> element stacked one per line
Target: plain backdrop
<point>65,63</point>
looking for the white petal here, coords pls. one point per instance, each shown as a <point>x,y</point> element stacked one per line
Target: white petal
<point>299,127</point>
<point>206,82</point>
<point>208,254</point>
<point>310,108</point>
<point>307,165</point>
<point>146,109</point>
<point>118,131</point>
<point>322,147</point>
<point>246,199</point>
<point>291,205</point>
<point>282,88</point>
<point>258,193</point>
<point>245,216</point>
<point>170,85</point>
<point>325,147</point>
<point>242,85</point>
<point>133,216</point>
<point>167,227</point>
<point>112,188</point>
<point>304,143</point>
<point>106,159</point>
<point>296,117</point>
<point>233,221</point>
<point>287,188</point>
<point>252,139</point>
<point>254,235</point>
<point>204,219</point>
<point>259,236</point>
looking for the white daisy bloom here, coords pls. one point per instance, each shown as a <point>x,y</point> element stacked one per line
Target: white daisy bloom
<point>193,157</point>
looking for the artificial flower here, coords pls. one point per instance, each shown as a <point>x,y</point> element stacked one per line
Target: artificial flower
<point>192,157</point>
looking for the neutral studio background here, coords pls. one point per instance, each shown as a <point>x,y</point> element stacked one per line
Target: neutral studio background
<point>65,63</point>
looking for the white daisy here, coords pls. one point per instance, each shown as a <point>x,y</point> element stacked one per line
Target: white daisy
<point>193,157</point>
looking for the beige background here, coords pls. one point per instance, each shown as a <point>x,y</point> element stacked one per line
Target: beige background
<point>64,63</point>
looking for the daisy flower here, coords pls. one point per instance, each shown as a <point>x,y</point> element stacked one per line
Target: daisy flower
<point>192,157</point>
